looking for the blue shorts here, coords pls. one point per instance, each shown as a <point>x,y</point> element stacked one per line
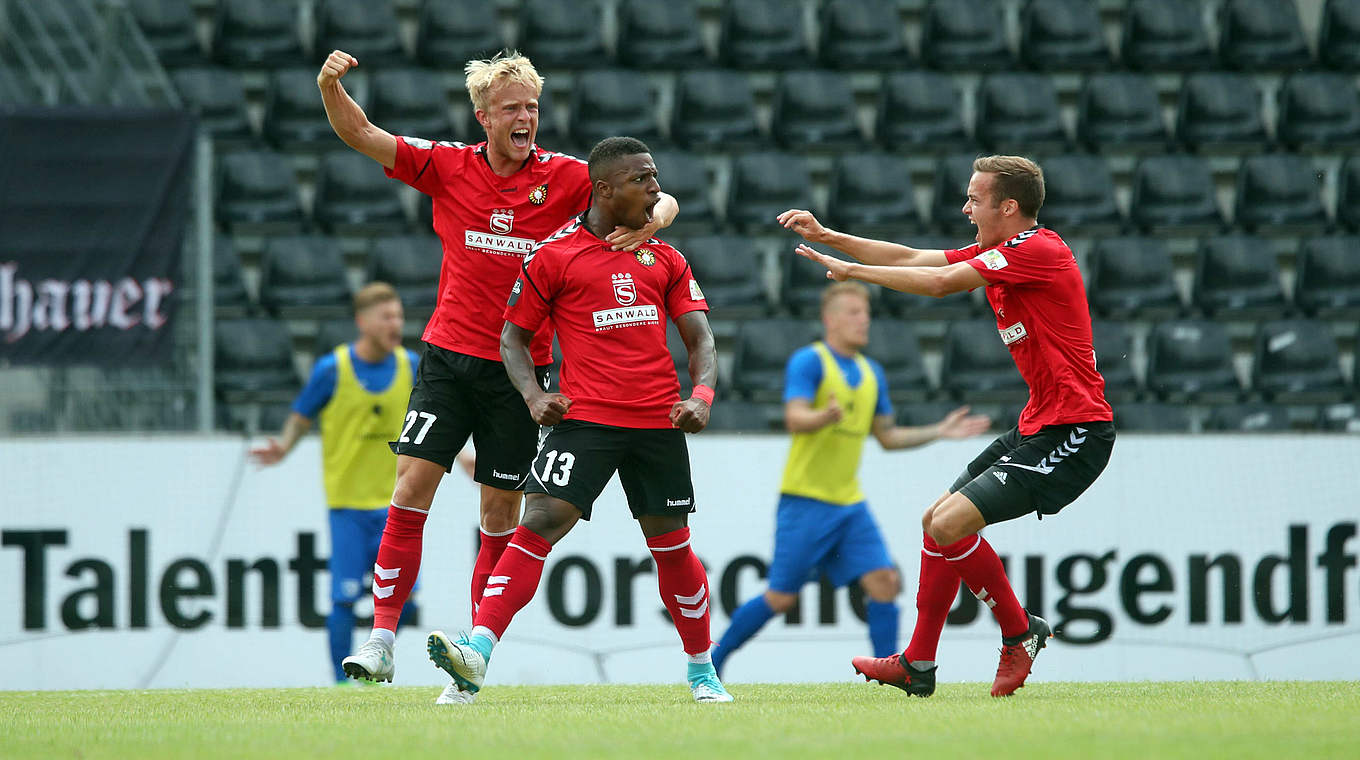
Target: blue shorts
<point>355,536</point>
<point>843,543</point>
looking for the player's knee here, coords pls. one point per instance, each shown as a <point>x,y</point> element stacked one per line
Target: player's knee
<point>780,602</point>
<point>882,585</point>
<point>926,520</point>
<point>947,529</point>
<point>500,509</point>
<point>417,480</point>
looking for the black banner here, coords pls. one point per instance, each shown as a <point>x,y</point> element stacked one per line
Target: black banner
<point>93,203</point>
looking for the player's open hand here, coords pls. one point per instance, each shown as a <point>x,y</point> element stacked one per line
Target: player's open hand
<point>337,63</point>
<point>960,424</point>
<point>270,453</point>
<point>548,409</point>
<point>628,239</point>
<point>803,223</point>
<point>690,415</point>
<point>836,269</point>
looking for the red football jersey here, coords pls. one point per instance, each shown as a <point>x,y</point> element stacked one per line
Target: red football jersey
<point>609,309</point>
<point>1035,288</point>
<point>487,224</point>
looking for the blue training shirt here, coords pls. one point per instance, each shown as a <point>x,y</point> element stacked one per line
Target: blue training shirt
<point>803,375</point>
<point>373,376</point>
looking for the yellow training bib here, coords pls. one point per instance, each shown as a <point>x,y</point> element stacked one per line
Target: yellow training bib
<point>359,469</point>
<point>824,464</point>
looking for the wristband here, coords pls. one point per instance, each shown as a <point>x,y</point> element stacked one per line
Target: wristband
<point>703,392</point>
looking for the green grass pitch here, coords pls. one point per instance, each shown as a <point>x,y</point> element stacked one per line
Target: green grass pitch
<point>846,721</point>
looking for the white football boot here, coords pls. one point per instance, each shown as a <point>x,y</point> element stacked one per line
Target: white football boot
<point>454,694</point>
<point>373,662</point>
<point>464,664</point>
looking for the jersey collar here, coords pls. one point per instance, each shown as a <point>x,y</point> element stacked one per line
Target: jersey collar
<point>480,150</point>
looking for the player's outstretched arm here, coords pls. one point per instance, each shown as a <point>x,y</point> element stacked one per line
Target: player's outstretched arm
<point>546,408</point>
<point>691,415</point>
<point>347,118</point>
<point>866,250</point>
<point>935,282</point>
<point>957,424</point>
<point>663,214</point>
<point>275,450</point>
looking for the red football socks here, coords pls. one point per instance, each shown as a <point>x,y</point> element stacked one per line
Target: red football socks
<point>977,564</point>
<point>489,552</point>
<point>934,596</point>
<point>398,564</point>
<point>513,582</point>
<point>684,588</point>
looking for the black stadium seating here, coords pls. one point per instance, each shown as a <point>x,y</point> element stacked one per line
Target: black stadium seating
<point>353,196</point>
<point>683,175</point>
<point>1191,360</point>
<point>257,34</point>
<point>1238,276</point>
<point>1174,192</point>
<point>302,276</point>
<point>1339,37</point>
<point>1327,281</point>
<point>660,35</point>
<point>815,109</point>
<point>1262,34</point>
<point>921,111</point>
<point>409,263</point>
<point>871,192</point>
<point>1278,189</point>
<point>216,95</point>
<point>294,118</point>
<point>1255,417</point>
<point>1220,110</point>
<point>1319,108</point>
<point>1297,362</point>
<point>1113,343</point>
<point>411,102</point>
<point>762,34</point>
<point>1131,277</point>
<point>964,35</point>
<point>861,34</point>
<point>562,34</point>
<point>1165,35</point>
<point>1019,112</point>
<point>169,28</point>
<point>1062,35</point>
<point>893,345</point>
<point>253,359</point>
<point>229,288</point>
<point>714,109</point>
<point>614,102</point>
<point>765,184</point>
<point>762,351</point>
<point>1079,192</point>
<point>1348,194</point>
<point>369,26</point>
<point>728,269</point>
<point>977,365</point>
<point>1120,111</point>
<point>451,31</point>
<point>257,188</point>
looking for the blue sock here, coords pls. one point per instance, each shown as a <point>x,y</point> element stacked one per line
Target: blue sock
<point>883,618</point>
<point>340,630</point>
<point>746,622</point>
<point>483,646</point>
<point>698,670</point>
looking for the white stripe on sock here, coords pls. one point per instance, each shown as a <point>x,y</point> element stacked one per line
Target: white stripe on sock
<point>411,509</point>
<point>965,554</point>
<point>531,554</point>
<point>486,532</point>
<point>670,548</point>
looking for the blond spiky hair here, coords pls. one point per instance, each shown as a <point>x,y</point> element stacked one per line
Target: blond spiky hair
<point>505,66</point>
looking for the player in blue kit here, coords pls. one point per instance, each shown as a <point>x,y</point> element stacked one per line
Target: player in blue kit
<point>834,397</point>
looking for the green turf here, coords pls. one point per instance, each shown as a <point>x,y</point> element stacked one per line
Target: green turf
<point>846,721</point>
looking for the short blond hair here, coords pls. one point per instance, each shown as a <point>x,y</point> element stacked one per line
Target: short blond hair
<point>373,294</point>
<point>847,288</point>
<point>505,66</point>
<point>1016,177</point>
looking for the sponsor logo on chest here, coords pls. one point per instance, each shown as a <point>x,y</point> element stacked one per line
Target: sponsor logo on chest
<point>1013,334</point>
<point>498,241</point>
<point>625,291</point>
<point>632,313</point>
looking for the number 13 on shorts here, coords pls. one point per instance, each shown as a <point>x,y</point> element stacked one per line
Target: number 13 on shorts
<point>563,461</point>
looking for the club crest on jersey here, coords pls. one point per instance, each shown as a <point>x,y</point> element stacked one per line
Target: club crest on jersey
<point>644,257</point>
<point>539,195</point>
<point>502,220</point>
<point>625,292</point>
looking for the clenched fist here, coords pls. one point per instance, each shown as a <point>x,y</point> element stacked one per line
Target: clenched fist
<point>337,63</point>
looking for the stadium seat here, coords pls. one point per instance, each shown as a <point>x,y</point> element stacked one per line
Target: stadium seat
<point>861,34</point>
<point>1174,193</point>
<point>1220,110</point>
<point>294,117</point>
<point>411,102</point>
<point>169,27</point>
<point>1019,112</point>
<point>814,109</point>
<point>684,176</point>
<point>1254,417</point>
<point>1262,34</point>
<point>763,185</point>
<point>1162,35</point>
<point>802,282</point>
<point>257,34</point>
<point>679,355</point>
<point>302,276</point>
<point>451,31</point>
<point>1327,277</point>
<point>411,264</point>
<point>892,342</point>
<point>331,333</point>
<point>871,192</point>
<point>1062,35</point>
<point>1339,418</point>
<point>367,29</point>
<point>977,366</point>
<point>1120,111</point>
<point>762,350</point>
<point>229,288</point>
<point>951,190</point>
<point>563,34</point>
<point>1078,192</point>
<point>964,35</point>
<point>1278,190</point>
<point>1237,275</point>
<point>929,315</point>
<point>216,96</point>
<point>1318,108</point>
<point>1113,343</point>
<point>253,360</point>
<point>552,135</point>
<point>1191,360</point>
<point>1348,193</point>
<point>714,109</point>
<point>612,102</point>
<point>1131,277</point>
<point>1297,361</point>
<point>1339,35</point>
<point>1152,417</point>
<point>744,417</point>
<point>728,269</point>
<point>921,111</point>
<point>257,188</point>
<point>354,197</point>
<point>762,34</point>
<point>656,35</point>
<point>920,413</point>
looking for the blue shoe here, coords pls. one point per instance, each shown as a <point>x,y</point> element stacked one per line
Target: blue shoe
<point>705,686</point>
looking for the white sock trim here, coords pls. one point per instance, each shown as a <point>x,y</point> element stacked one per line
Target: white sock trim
<point>965,554</point>
<point>670,548</point>
<point>930,553</point>
<point>703,658</point>
<point>382,634</point>
<point>488,533</point>
<point>544,558</point>
<point>425,511</point>
<point>481,630</point>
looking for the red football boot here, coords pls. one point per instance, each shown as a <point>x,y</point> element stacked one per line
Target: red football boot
<point>894,670</point>
<point>1018,658</point>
